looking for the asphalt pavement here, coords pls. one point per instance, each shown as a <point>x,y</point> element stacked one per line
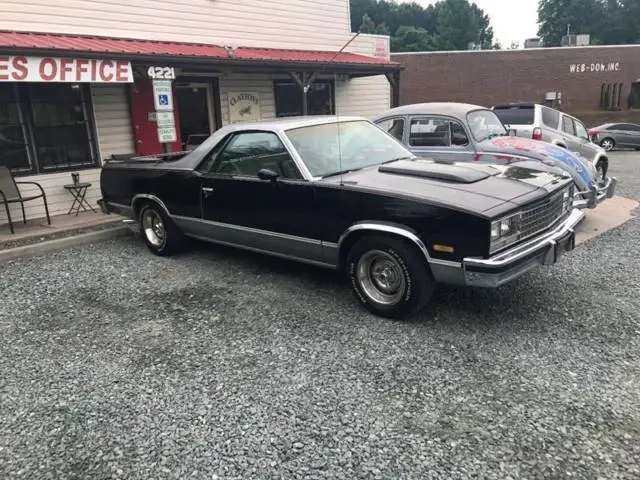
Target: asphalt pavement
<point>115,363</point>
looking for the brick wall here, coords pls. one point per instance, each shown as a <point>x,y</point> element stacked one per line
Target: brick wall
<point>491,77</point>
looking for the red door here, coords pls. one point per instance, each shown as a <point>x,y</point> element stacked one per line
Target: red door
<point>145,130</point>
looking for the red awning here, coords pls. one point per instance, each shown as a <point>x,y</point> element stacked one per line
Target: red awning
<point>75,44</point>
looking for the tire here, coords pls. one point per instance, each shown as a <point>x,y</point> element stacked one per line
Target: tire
<point>158,231</point>
<point>601,168</point>
<point>608,144</point>
<point>400,265</point>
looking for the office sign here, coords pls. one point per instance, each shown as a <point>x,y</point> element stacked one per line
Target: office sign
<point>162,95</point>
<point>594,67</point>
<point>244,106</point>
<point>20,68</point>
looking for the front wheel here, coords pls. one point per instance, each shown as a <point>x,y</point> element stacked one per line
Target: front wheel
<point>601,169</point>
<point>158,231</point>
<point>389,276</point>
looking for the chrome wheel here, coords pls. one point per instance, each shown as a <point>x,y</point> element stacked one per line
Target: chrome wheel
<point>381,277</point>
<point>607,144</point>
<point>153,227</point>
<point>600,172</point>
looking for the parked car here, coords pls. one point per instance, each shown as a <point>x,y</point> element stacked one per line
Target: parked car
<point>342,194</point>
<point>466,132</point>
<point>539,122</point>
<point>616,135</point>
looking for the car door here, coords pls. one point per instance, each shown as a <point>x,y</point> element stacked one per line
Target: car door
<point>583,144</point>
<point>626,135</point>
<point>634,136</point>
<point>569,133</point>
<point>439,137</point>
<point>241,208</point>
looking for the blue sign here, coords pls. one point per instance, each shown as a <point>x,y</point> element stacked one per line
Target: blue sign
<point>163,99</point>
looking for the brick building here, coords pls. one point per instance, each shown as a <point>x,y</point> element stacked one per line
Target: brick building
<point>596,84</point>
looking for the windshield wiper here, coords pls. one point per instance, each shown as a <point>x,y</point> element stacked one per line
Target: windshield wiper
<point>396,159</point>
<point>341,172</point>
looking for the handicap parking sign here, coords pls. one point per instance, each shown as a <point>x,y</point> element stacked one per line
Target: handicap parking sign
<point>162,95</point>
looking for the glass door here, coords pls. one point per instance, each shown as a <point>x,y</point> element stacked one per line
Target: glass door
<point>195,112</point>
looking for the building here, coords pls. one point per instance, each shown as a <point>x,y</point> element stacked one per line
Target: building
<point>597,84</point>
<point>76,78</point>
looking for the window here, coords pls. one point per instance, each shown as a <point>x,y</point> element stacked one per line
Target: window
<point>288,97</point>
<point>520,115</point>
<point>329,149</point>
<point>581,131</point>
<point>626,127</point>
<point>14,152</point>
<point>634,95</point>
<point>247,153</point>
<point>393,126</point>
<point>550,117</point>
<point>485,124</point>
<point>429,132</point>
<point>567,125</point>
<point>46,127</point>
<point>611,96</point>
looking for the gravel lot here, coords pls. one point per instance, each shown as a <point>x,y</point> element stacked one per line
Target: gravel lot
<point>118,364</point>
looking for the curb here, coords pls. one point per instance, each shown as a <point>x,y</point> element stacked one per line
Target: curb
<point>62,243</point>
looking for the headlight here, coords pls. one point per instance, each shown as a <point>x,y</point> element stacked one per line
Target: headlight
<point>505,231</point>
<point>567,199</point>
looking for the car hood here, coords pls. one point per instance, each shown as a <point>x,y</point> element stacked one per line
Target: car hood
<point>544,152</point>
<point>478,188</point>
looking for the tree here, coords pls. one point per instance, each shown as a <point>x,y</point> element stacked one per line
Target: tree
<point>608,22</point>
<point>411,39</point>
<point>449,24</point>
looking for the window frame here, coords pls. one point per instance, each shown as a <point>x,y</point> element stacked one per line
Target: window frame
<point>25,112</point>
<point>224,143</point>
<point>396,118</point>
<point>573,125</point>
<point>282,81</point>
<point>448,120</point>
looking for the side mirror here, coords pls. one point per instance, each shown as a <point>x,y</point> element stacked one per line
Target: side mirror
<point>267,174</point>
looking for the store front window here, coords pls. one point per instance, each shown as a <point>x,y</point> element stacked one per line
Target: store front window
<point>46,127</point>
<point>288,96</point>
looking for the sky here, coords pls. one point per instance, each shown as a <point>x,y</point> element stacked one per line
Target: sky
<point>512,20</point>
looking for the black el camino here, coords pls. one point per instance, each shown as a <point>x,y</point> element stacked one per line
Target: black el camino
<point>341,193</point>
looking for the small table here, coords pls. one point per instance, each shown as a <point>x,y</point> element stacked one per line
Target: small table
<point>78,190</point>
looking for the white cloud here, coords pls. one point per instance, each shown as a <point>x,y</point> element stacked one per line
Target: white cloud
<point>512,20</point>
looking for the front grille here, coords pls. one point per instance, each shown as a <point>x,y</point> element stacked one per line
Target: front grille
<point>542,215</point>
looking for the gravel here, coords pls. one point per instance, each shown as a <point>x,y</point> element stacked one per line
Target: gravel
<point>115,363</point>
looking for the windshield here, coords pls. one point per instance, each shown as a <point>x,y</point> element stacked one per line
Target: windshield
<point>333,148</point>
<point>485,124</point>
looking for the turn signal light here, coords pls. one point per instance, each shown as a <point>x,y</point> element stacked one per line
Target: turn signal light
<point>443,248</point>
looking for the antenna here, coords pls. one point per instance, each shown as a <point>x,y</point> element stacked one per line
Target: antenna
<point>335,83</point>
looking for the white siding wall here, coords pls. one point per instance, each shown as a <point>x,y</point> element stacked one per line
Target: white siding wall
<point>305,24</point>
<point>259,84</point>
<point>113,124</point>
<point>364,97</point>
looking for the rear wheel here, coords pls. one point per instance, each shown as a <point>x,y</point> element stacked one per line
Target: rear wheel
<point>608,144</point>
<point>389,276</point>
<point>158,231</point>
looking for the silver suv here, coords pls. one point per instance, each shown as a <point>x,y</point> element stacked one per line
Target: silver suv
<point>531,120</point>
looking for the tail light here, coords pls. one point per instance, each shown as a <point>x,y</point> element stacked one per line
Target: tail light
<point>592,133</point>
<point>537,134</point>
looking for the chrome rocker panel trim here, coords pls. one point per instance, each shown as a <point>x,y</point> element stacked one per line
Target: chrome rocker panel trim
<point>594,197</point>
<point>512,263</point>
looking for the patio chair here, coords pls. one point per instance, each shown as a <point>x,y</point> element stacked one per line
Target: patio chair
<point>9,193</point>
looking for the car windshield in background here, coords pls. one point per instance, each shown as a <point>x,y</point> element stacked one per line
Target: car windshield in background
<point>332,148</point>
<point>484,124</point>
<point>515,115</point>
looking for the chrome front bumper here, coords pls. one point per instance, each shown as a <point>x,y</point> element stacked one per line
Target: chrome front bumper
<point>592,198</point>
<point>510,264</point>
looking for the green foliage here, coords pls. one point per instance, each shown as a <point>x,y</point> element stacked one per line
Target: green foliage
<point>608,22</point>
<point>446,25</point>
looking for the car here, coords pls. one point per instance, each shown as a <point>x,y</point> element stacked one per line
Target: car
<point>338,192</point>
<point>539,122</point>
<point>616,135</point>
<point>472,133</point>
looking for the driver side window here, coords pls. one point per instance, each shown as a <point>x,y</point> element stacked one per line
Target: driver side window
<point>247,153</point>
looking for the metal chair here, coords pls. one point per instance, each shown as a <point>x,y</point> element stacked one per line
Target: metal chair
<point>9,193</point>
